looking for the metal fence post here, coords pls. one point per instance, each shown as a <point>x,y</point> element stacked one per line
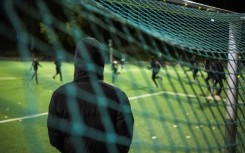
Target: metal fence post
<point>231,100</point>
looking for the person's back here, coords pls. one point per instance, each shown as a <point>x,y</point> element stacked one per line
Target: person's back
<point>155,65</point>
<point>35,64</point>
<point>58,62</point>
<point>88,115</point>
<point>114,66</point>
<point>218,70</point>
<point>96,115</point>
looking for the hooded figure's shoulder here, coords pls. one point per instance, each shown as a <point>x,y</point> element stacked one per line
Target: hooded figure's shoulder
<point>110,87</point>
<point>64,88</point>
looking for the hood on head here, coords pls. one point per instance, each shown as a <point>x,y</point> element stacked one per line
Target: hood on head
<point>88,60</point>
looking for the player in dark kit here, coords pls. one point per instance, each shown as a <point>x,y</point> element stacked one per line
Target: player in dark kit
<point>58,62</point>
<point>114,67</point>
<point>122,61</point>
<point>209,71</point>
<point>218,76</point>
<point>155,66</point>
<point>192,62</point>
<point>35,64</point>
<point>195,69</point>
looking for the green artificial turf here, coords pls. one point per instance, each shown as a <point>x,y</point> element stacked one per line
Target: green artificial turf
<point>175,117</point>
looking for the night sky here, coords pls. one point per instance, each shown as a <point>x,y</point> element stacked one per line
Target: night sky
<point>231,5</point>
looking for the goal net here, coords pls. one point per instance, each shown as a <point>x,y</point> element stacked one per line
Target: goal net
<point>198,106</point>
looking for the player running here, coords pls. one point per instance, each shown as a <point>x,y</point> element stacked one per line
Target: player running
<point>209,71</point>
<point>114,67</point>
<point>35,64</point>
<point>155,66</point>
<point>58,64</point>
<point>218,76</point>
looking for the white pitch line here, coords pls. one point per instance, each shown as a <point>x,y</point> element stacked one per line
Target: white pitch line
<point>25,117</point>
<point>130,98</point>
<point>159,93</point>
<point>8,78</point>
<point>46,113</point>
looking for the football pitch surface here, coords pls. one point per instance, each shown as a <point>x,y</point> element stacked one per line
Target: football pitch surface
<point>175,117</point>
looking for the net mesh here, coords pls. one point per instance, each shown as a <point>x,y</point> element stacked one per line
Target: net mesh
<point>181,115</point>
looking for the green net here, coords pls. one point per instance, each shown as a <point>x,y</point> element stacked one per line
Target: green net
<point>183,114</point>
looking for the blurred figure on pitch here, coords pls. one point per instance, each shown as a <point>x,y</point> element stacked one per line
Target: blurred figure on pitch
<point>35,64</point>
<point>218,76</point>
<point>58,63</point>
<point>122,61</point>
<point>195,69</point>
<point>192,62</point>
<point>209,71</point>
<point>155,66</point>
<point>114,67</point>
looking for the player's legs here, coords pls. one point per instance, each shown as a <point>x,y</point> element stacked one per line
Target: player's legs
<point>114,75</point>
<point>57,72</point>
<point>36,78</point>
<point>195,73</point>
<point>207,83</point>
<point>33,75</point>
<point>153,77</point>
<point>214,85</point>
<point>60,76</point>
<point>220,87</point>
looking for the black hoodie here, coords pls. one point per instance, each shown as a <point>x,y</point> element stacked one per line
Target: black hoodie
<point>88,115</point>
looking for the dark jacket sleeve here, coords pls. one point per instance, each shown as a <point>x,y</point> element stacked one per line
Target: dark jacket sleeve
<point>55,135</point>
<point>125,123</point>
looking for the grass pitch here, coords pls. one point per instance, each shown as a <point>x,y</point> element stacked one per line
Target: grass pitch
<point>175,117</point>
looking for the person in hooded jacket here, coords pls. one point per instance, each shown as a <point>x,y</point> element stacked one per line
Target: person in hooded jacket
<point>88,115</point>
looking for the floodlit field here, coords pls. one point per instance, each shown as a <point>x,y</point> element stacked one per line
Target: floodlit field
<point>175,117</point>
